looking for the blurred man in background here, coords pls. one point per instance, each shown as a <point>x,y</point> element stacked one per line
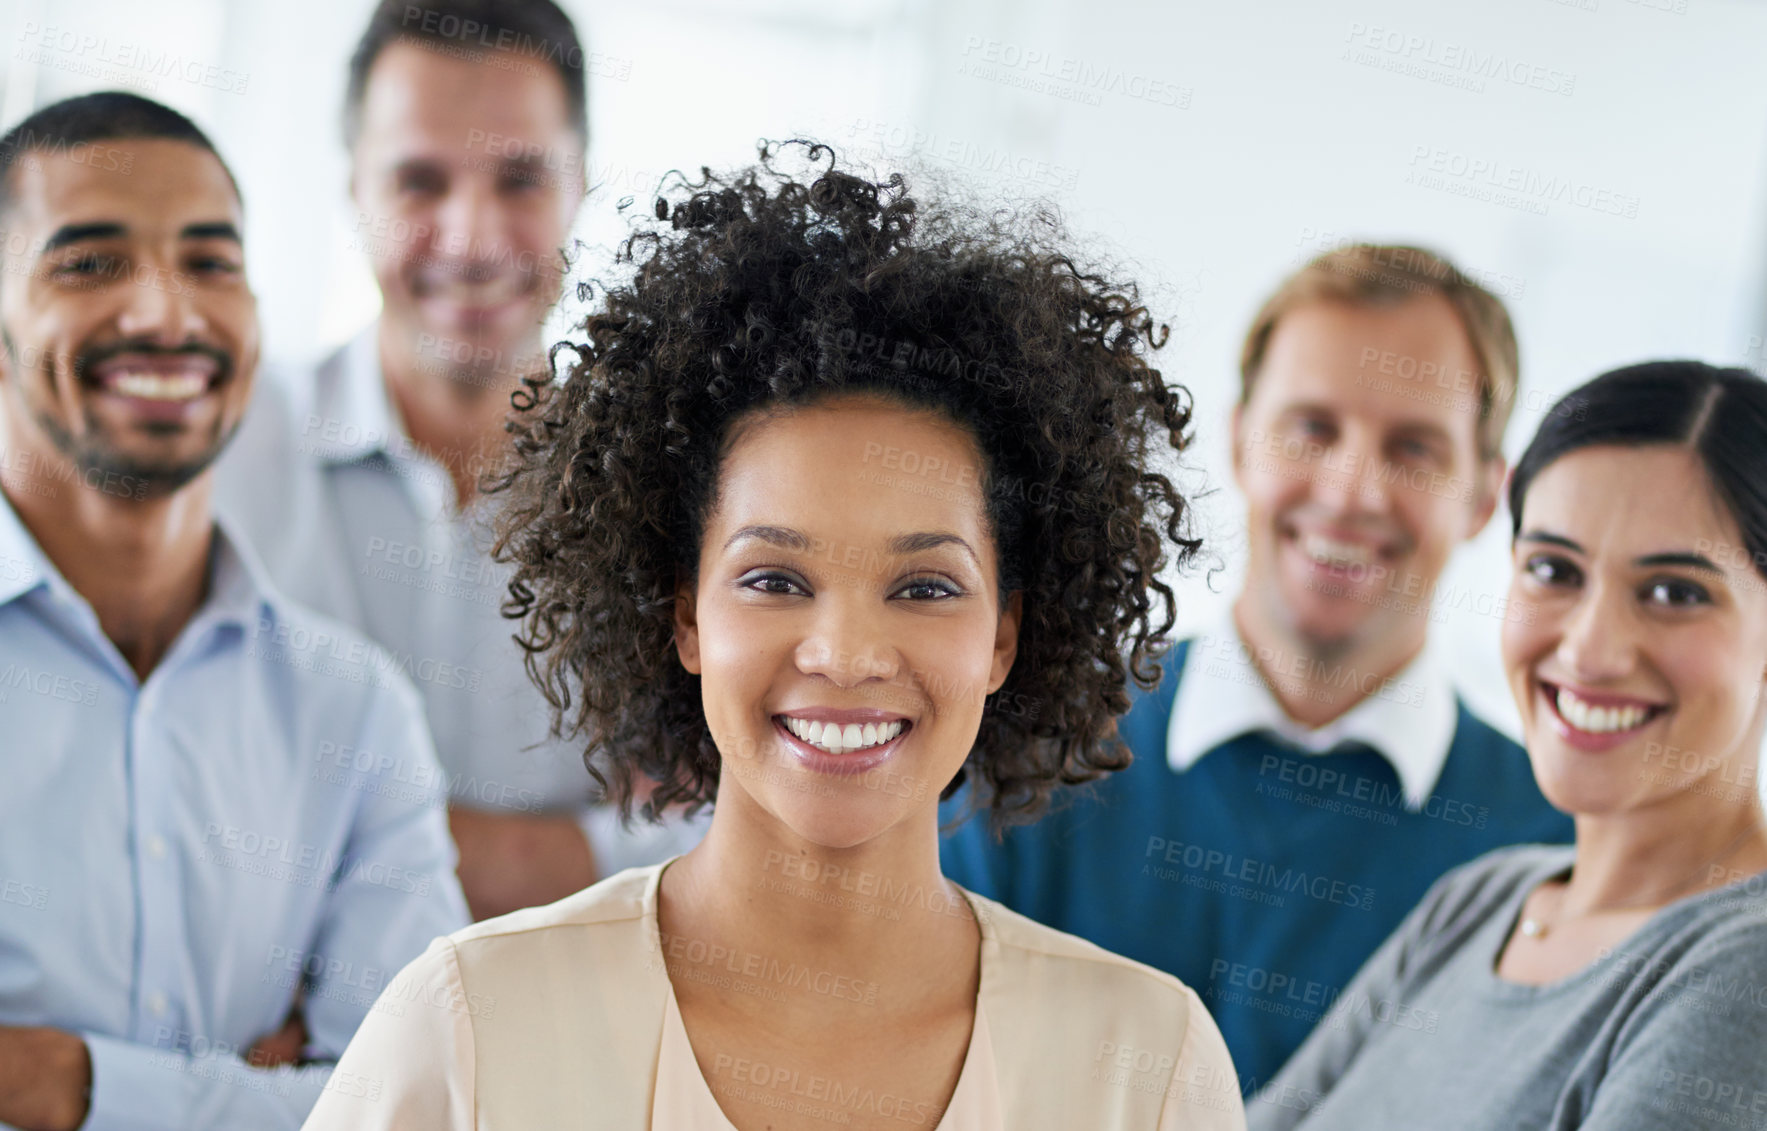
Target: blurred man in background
<point>216,803</point>
<point>467,125</point>
<point>1305,770</point>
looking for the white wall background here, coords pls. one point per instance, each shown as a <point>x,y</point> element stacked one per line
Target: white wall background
<point>1212,147</point>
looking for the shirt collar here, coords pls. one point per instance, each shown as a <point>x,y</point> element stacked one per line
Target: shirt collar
<point>355,415</point>
<point>239,589</point>
<point>22,564</point>
<point>355,420</point>
<point>1408,719</point>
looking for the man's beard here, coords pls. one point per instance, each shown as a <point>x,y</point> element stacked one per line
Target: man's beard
<point>144,479</point>
<point>99,461</point>
<point>471,365</point>
<point>480,369</point>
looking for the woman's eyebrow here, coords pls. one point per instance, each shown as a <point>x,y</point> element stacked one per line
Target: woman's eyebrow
<point>787,538</point>
<point>782,536</point>
<point>929,539</point>
<point>1549,539</point>
<point>1667,558</point>
<point>1681,558</point>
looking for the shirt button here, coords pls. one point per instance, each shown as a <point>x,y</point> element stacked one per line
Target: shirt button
<point>156,847</point>
<point>156,1003</point>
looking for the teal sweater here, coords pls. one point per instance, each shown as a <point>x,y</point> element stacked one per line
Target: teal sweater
<point>1263,876</point>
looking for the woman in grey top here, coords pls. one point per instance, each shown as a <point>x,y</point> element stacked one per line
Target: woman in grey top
<point>1620,984</point>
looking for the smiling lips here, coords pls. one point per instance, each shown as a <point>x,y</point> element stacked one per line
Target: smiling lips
<point>156,387</point>
<point>1335,554</point>
<point>178,377</point>
<point>1612,715</point>
<point>473,300</point>
<point>835,738</point>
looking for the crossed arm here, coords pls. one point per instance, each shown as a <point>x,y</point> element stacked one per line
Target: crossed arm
<point>46,1074</point>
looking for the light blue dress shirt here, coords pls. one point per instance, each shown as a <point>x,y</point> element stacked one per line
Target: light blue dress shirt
<point>353,519</point>
<point>179,856</point>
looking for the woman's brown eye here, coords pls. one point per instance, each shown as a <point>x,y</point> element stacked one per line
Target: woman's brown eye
<point>1678,593</point>
<point>1551,571</point>
<point>928,589</point>
<point>778,584</point>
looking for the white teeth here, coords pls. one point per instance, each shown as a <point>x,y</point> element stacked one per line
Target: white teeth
<point>494,293</point>
<point>1587,717</point>
<point>837,739</point>
<point>1331,552</point>
<point>158,387</point>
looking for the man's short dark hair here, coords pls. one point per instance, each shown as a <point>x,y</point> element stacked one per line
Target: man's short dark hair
<point>109,115</point>
<point>473,29</point>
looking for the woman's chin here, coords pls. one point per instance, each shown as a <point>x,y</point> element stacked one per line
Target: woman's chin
<point>836,831</point>
<point>1584,794</point>
<point>839,823</point>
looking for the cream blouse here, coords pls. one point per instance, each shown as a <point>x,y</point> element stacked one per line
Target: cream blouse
<point>564,1017</point>
<point>684,1099</point>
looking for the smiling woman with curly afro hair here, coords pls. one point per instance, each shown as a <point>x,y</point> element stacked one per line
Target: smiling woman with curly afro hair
<point>840,499</point>
<point>759,293</point>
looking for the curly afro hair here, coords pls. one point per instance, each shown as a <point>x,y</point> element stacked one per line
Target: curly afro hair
<point>757,293</point>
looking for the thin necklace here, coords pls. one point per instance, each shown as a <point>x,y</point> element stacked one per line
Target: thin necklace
<point>1536,929</point>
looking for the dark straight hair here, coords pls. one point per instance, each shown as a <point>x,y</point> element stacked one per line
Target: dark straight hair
<point>108,115</point>
<point>537,30</point>
<point>1719,414</point>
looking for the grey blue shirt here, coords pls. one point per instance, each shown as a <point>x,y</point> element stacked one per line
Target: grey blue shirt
<point>1668,1030</point>
<point>353,519</point>
<point>181,856</point>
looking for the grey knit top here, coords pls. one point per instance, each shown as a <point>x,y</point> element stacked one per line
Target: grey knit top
<point>1666,1030</point>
